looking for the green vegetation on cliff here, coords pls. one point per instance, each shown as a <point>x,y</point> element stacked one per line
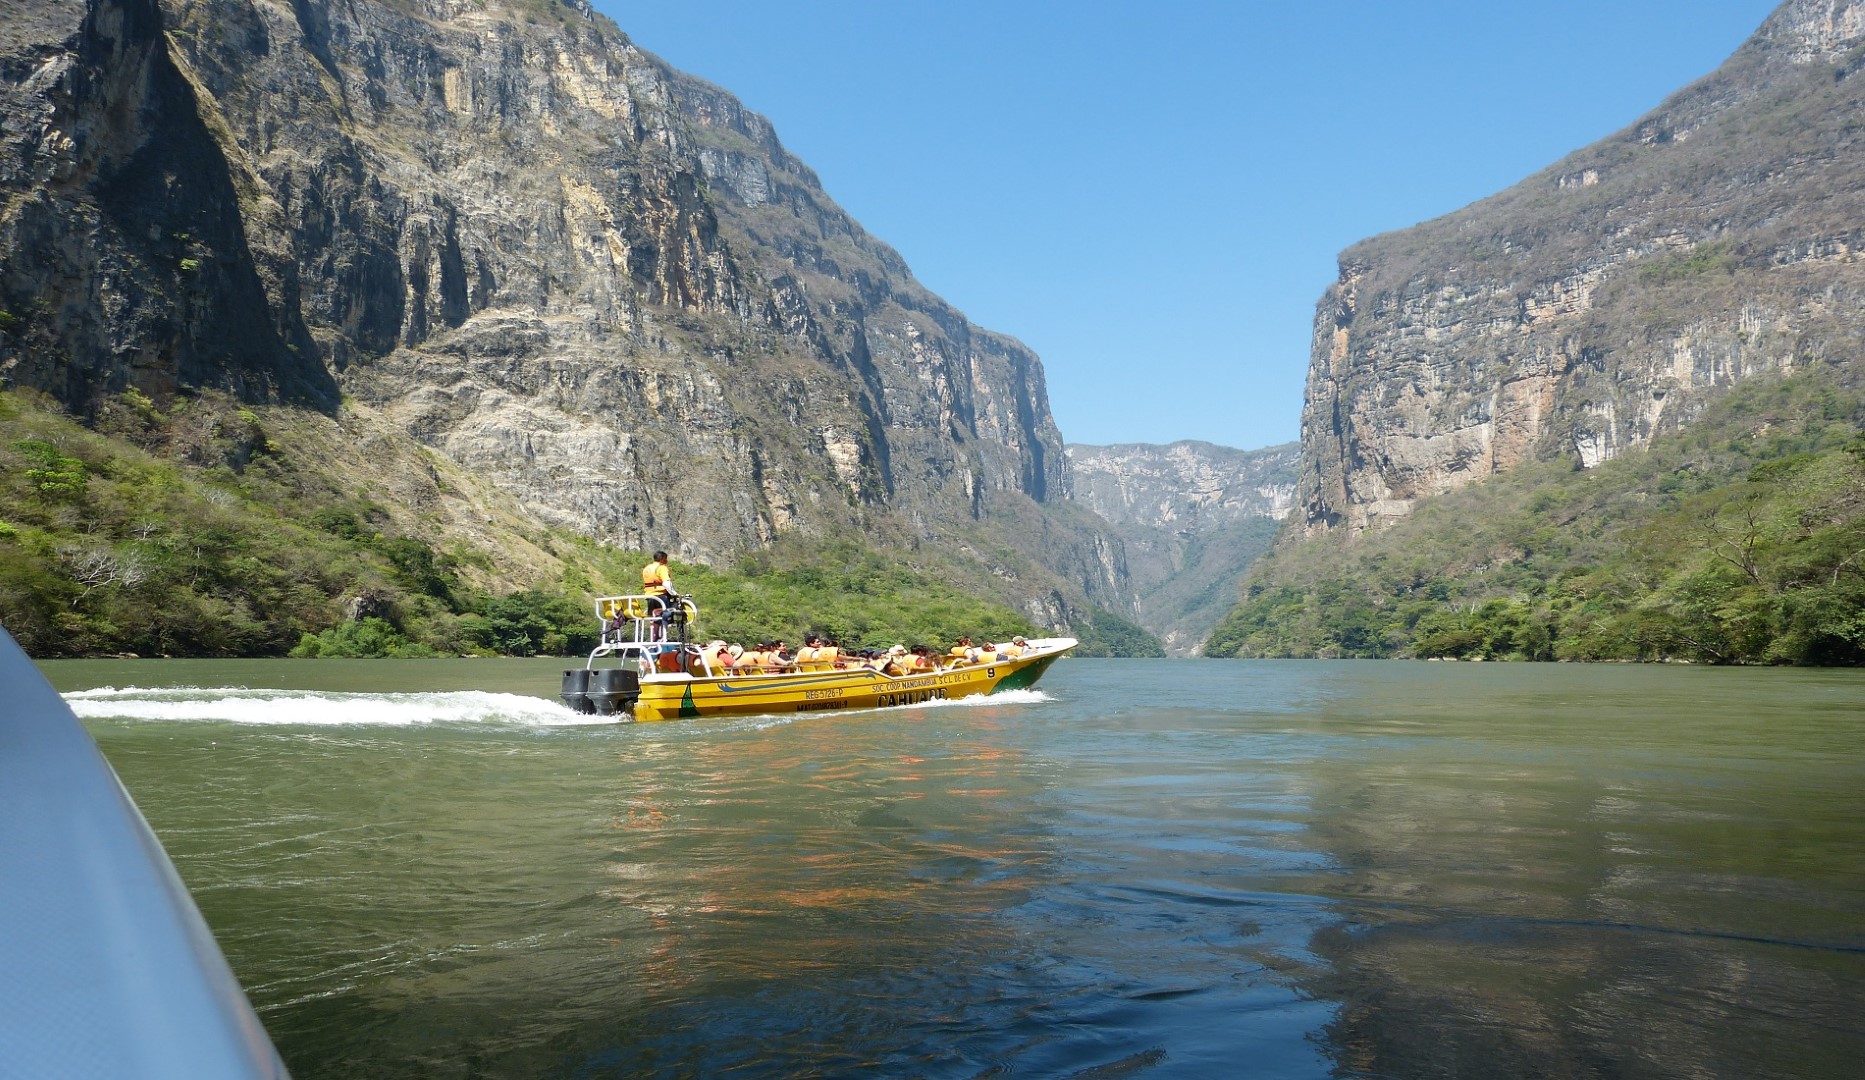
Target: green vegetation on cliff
<point>208,528</point>
<point>1738,540</point>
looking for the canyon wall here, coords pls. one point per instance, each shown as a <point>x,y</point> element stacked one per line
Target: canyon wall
<point>1192,517</point>
<point>1601,300</point>
<point>600,283</point>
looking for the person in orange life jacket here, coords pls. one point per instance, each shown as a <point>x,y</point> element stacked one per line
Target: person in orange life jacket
<point>657,583</point>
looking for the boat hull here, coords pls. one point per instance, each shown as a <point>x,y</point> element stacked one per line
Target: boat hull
<point>672,697</point>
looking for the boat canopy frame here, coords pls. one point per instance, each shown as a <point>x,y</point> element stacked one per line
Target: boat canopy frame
<point>643,627</point>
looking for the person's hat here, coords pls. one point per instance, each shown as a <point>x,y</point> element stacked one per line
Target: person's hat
<point>715,644</point>
<point>897,650</point>
<point>1018,640</point>
<point>736,651</point>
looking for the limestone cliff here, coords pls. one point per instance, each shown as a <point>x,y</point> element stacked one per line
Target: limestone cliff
<point>1597,302</point>
<point>600,283</point>
<point>1193,517</point>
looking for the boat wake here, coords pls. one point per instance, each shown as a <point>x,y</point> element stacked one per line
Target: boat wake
<point>312,708</point>
<point>321,708</point>
<point>981,701</point>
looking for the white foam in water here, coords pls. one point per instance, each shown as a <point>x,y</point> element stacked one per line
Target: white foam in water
<point>238,705</point>
<point>1002,697</point>
<point>315,708</point>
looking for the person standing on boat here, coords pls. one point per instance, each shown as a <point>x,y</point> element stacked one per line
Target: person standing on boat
<point>657,583</point>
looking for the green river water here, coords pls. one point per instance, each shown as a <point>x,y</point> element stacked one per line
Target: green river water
<point>1139,868</point>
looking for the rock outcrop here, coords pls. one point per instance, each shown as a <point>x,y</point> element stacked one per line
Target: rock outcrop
<point>1192,517</point>
<point>600,283</point>
<point>1594,304</point>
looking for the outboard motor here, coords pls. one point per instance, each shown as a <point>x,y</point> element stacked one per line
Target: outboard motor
<point>613,690</point>
<point>576,690</point>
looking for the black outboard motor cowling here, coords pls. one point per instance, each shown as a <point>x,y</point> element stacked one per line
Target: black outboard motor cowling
<point>576,690</point>
<point>612,690</point>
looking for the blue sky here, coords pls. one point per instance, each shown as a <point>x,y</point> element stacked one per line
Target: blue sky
<point>1152,195</point>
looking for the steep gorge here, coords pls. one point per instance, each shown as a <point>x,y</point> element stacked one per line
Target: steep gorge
<point>1615,412</point>
<point>500,227</point>
<point>1606,299</point>
<point>1192,516</point>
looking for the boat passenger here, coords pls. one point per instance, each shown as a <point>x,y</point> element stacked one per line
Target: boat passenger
<point>1014,649</point>
<point>728,659</point>
<point>962,653</point>
<point>711,654</point>
<point>896,663</point>
<point>657,583</point>
<point>806,656</point>
<point>828,654</point>
<point>922,661</point>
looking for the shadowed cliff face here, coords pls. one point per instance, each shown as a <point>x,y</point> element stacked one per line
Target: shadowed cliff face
<point>1594,304</point>
<point>125,261</point>
<point>598,282</point>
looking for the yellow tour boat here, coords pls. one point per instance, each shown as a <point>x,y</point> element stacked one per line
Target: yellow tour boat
<point>645,668</point>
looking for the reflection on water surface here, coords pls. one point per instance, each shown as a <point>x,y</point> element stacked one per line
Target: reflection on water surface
<point>1148,868</point>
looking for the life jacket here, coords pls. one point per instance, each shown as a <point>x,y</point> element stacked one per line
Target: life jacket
<point>654,579</point>
<point>826,657</point>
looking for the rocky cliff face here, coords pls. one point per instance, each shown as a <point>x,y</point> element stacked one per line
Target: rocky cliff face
<point>1192,517</point>
<point>600,283</point>
<point>1597,302</point>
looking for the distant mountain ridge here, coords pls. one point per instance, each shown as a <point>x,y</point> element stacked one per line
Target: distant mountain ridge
<point>1592,306</point>
<point>1193,516</point>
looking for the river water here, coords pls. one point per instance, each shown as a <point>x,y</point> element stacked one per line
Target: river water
<point>1139,868</point>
